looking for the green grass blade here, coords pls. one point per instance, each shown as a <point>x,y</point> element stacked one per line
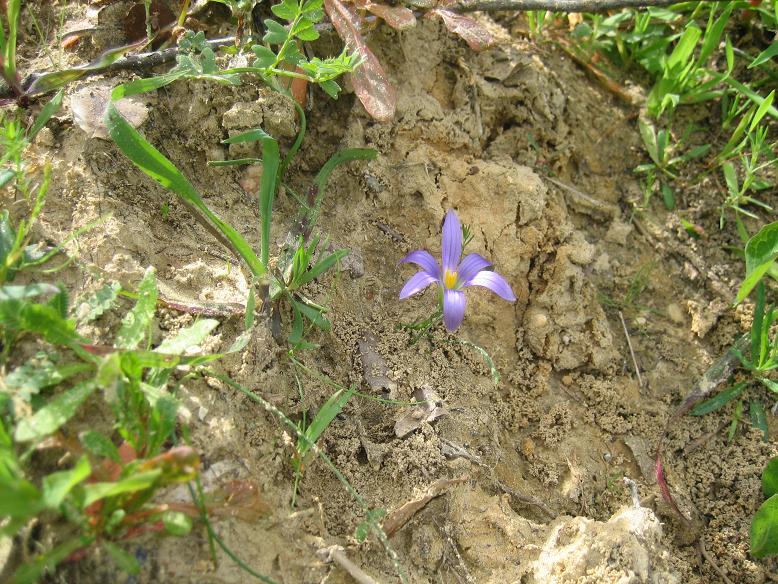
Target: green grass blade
<point>770,478</point>
<point>153,163</point>
<point>719,400</point>
<point>271,161</point>
<point>48,110</point>
<point>758,417</point>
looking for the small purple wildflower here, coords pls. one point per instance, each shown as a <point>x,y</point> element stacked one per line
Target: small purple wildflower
<point>454,275</point>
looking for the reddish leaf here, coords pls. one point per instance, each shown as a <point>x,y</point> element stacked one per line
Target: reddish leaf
<point>473,33</point>
<point>370,83</point>
<point>398,17</point>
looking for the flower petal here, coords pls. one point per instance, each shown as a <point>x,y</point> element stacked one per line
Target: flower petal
<point>470,266</point>
<point>424,260</point>
<point>453,308</point>
<point>451,242</point>
<point>418,282</point>
<point>495,282</point>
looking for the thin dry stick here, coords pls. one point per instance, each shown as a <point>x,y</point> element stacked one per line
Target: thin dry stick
<point>712,562</point>
<point>631,351</point>
<point>335,554</point>
<point>556,5</point>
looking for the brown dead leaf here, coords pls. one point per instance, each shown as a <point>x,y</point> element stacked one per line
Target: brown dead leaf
<point>473,32</point>
<point>398,17</point>
<point>429,410</point>
<point>370,82</point>
<point>400,516</point>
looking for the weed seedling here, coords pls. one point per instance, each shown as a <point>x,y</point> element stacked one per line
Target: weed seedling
<point>764,526</point>
<point>761,360</point>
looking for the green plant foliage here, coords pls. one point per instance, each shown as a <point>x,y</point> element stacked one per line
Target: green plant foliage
<point>764,526</point>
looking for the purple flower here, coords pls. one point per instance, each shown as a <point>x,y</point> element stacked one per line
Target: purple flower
<point>454,275</point>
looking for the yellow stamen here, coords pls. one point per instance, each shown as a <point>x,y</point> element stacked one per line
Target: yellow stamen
<point>449,279</point>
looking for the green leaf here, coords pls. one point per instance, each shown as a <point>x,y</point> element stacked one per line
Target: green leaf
<point>40,372</point>
<point>770,478</point>
<point>99,445</point>
<point>331,88</point>
<point>761,252</point>
<point>20,498</point>
<point>265,57</point>
<point>154,164</point>
<point>176,523</point>
<point>322,266</point>
<point>758,418</point>
<point>719,400</point>
<point>764,529</point>
<point>145,85</point>
<point>94,306</point>
<point>769,384</point>
<point>313,314</point>
<point>136,324</point>
<point>648,134</point>
<point>363,529</point>
<point>137,482</point>
<point>668,197</point>
<point>124,560</point>
<point>762,110</point>
<point>188,337</point>
<point>765,55</point>
<point>16,292</point>
<point>55,413</point>
<point>288,9</point>
<point>46,113</point>
<point>324,417</point>
<point>271,160</point>
<point>48,81</point>
<point>56,486</point>
<point>276,34</point>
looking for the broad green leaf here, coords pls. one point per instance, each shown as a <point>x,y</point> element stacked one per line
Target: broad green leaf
<point>137,482</point>
<point>154,164</point>
<point>55,413</point>
<point>123,559</point>
<point>719,400</point>
<point>248,136</point>
<point>20,498</point>
<point>40,372</point>
<point>685,47</point>
<point>188,337</point>
<point>761,252</point>
<point>265,57</point>
<point>100,445</point>
<point>92,307</point>
<point>764,529</point>
<point>56,486</point>
<point>287,10</point>
<point>137,322</point>
<point>276,34</point>
<point>176,523</point>
<point>770,478</point>
<point>17,292</point>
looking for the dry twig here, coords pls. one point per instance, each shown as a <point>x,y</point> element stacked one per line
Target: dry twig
<point>631,350</point>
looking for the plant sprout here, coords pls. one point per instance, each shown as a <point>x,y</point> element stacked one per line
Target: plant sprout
<point>454,275</point>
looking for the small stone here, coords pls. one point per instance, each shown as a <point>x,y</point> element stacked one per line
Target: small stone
<point>567,380</point>
<point>675,313</point>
